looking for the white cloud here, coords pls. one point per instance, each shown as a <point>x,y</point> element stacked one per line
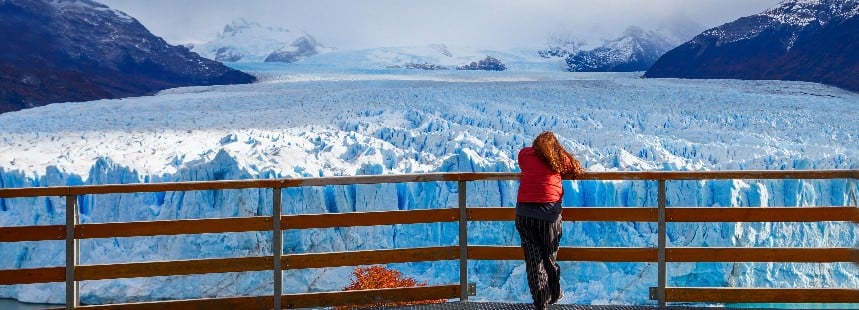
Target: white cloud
<point>486,23</point>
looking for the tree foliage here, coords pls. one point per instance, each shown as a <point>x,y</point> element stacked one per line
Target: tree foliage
<point>377,277</point>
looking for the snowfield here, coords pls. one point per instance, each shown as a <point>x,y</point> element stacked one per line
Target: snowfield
<point>312,119</point>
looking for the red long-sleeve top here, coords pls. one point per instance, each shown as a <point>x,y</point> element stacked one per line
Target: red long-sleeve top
<point>538,183</point>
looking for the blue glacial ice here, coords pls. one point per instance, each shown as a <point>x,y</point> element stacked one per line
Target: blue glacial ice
<point>292,125</point>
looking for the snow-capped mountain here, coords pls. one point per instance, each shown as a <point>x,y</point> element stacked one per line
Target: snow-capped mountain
<point>79,50</point>
<point>635,50</point>
<point>805,40</point>
<point>302,48</point>
<point>306,120</point>
<point>249,41</point>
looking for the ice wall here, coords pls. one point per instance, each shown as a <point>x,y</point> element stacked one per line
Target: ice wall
<point>502,280</point>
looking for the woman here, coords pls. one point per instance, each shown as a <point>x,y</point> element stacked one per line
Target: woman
<point>538,213</point>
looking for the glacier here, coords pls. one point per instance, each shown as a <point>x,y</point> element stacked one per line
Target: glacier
<point>311,119</point>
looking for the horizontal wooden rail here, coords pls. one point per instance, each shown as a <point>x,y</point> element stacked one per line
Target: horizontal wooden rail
<point>32,233</point>
<point>761,295</point>
<point>247,184</point>
<point>491,214</point>
<point>32,275</point>
<point>182,186</point>
<point>370,297</point>
<point>425,177</point>
<point>174,227</point>
<point>233,303</point>
<point>758,214</point>
<point>34,192</point>
<point>760,255</point>
<point>724,175</point>
<point>330,220</point>
<point>683,214</point>
<point>356,258</point>
<point>305,300</point>
<point>625,214</point>
<point>613,214</point>
<point>262,223</point>
<point>606,254</point>
<point>182,267</point>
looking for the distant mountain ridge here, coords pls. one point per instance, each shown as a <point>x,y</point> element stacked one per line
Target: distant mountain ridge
<point>249,41</point>
<point>635,50</point>
<point>81,50</point>
<point>801,40</point>
<point>436,56</point>
<point>303,47</point>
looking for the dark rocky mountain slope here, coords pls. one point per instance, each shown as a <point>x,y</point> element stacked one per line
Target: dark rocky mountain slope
<point>800,40</point>
<point>81,50</point>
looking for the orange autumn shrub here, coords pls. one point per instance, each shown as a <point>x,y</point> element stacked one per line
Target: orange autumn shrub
<point>375,277</point>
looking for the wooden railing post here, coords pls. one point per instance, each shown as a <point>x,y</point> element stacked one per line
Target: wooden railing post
<point>851,195</point>
<point>661,240</point>
<point>72,253</point>
<point>277,245</point>
<point>463,242</point>
<point>852,200</point>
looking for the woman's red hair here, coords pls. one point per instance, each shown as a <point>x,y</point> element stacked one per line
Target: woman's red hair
<point>553,154</point>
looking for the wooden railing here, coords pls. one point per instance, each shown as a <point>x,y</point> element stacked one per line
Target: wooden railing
<point>73,231</point>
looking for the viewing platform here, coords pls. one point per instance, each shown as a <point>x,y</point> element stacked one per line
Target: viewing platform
<point>519,306</point>
<point>458,294</point>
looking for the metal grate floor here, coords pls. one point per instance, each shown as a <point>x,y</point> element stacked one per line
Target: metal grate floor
<point>512,306</point>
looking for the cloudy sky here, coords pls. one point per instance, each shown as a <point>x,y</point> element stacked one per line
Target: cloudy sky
<point>350,24</point>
